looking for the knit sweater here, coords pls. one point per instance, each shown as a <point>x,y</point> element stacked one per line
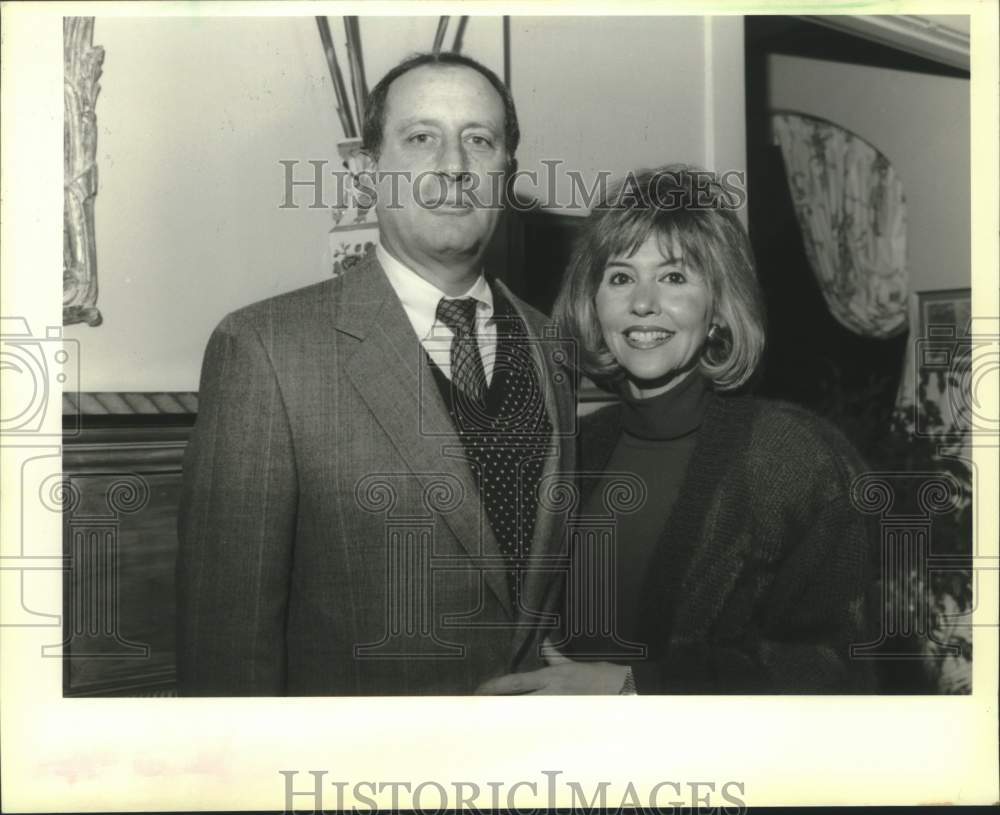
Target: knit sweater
<point>762,579</point>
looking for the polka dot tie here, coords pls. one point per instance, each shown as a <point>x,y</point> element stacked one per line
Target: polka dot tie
<point>467,372</point>
<point>506,438</point>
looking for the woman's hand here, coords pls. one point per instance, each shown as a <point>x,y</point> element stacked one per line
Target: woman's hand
<point>562,676</point>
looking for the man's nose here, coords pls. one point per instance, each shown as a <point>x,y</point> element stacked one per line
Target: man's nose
<point>453,159</point>
<point>645,300</point>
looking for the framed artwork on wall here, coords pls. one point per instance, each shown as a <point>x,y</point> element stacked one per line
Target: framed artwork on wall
<point>943,362</point>
<point>945,312</point>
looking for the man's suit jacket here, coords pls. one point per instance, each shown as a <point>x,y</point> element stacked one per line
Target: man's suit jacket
<point>332,539</point>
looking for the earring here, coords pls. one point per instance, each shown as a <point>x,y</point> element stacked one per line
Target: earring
<point>714,330</point>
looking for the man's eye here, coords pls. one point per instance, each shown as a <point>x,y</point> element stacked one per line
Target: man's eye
<point>420,138</point>
<point>481,141</point>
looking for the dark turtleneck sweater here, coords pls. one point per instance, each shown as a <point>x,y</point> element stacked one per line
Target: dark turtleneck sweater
<point>656,443</point>
<point>762,579</point>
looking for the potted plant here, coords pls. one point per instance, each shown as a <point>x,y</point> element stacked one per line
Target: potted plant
<point>922,439</point>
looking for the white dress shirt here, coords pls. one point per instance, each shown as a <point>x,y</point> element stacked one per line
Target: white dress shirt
<point>420,300</point>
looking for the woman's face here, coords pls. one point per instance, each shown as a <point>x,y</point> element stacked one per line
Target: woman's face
<point>655,312</point>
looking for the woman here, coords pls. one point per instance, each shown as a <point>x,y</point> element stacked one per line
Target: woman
<point>745,569</point>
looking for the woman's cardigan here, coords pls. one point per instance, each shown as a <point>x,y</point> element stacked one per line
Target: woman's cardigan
<point>762,579</point>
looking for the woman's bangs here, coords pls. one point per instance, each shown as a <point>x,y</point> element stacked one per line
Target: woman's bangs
<point>625,231</point>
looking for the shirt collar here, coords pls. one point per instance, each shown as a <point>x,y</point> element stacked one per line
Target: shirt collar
<point>420,297</point>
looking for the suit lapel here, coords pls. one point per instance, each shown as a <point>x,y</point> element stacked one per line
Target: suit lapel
<point>390,371</point>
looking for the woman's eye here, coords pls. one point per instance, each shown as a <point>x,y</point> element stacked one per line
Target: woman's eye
<point>675,277</point>
<point>618,279</point>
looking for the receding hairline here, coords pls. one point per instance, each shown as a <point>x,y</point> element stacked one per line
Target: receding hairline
<point>442,67</point>
<point>497,128</point>
<point>375,114</point>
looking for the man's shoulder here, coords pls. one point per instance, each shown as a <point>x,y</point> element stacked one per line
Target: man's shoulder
<point>297,305</point>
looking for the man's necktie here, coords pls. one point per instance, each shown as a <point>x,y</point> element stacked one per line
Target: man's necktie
<point>467,372</point>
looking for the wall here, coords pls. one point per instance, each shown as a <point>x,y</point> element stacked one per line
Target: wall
<point>608,94</point>
<point>921,123</point>
<point>193,116</point>
<point>195,113</point>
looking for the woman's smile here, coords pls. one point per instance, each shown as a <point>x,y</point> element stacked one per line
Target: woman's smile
<point>646,337</point>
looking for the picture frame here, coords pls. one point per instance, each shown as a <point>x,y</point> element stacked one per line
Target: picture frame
<point>944,313</point>
<point>943,363</point>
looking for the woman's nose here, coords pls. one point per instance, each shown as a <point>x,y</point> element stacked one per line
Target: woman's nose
<point>645,300</point>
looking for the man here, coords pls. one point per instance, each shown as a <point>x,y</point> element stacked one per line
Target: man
<point>360,511</point>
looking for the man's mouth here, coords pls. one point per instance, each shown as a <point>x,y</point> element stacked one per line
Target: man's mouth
<point>453,208</point>
<point>645,337</point>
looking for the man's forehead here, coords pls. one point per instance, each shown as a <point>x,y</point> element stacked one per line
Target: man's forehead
<point>418,82</point>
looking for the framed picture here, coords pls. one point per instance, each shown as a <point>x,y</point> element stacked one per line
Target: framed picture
<point>943,363</point>
<point>945,313</point>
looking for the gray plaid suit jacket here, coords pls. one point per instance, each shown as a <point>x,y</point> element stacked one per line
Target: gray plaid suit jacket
<point>332,539</point>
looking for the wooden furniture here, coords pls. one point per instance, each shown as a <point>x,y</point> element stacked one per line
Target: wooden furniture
<point>122,475</point>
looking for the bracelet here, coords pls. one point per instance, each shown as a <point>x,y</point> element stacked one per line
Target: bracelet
<point>628,687</point>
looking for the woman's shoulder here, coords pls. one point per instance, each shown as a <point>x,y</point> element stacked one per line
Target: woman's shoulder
<point>780,417</point>
<point>796,440</point>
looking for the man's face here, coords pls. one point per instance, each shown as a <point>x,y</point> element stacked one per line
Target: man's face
<point>443,133</point>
